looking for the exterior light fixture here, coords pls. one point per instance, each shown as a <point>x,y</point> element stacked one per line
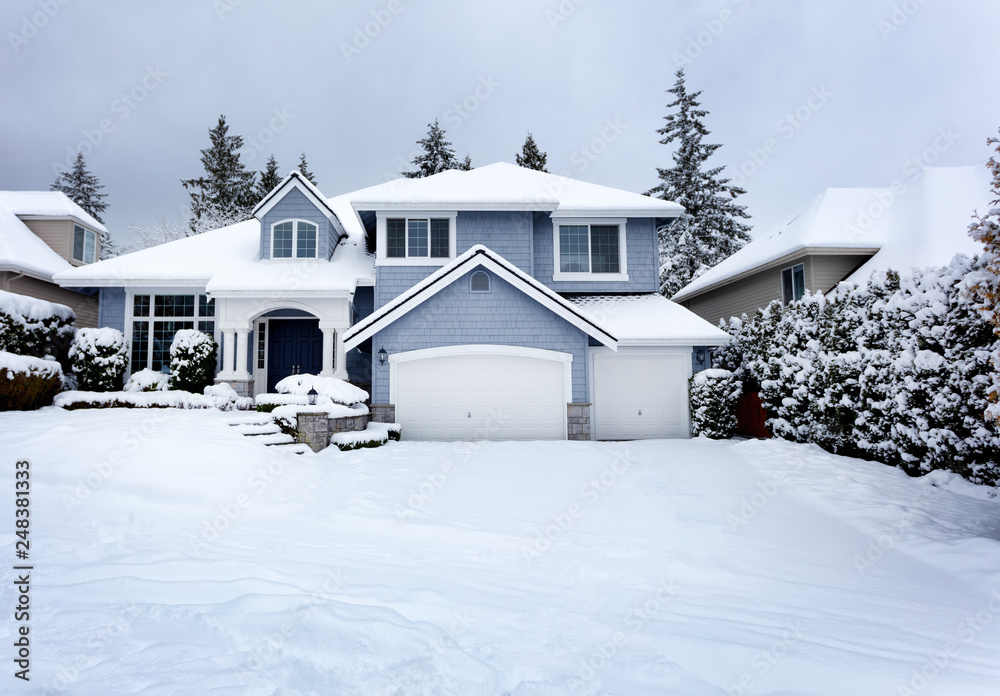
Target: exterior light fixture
<point>312,397</point>
<point>700,356</point>
<point>382,356</point>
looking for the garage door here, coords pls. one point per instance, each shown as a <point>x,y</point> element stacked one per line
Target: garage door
<point>640,396</point>
<point>481,395</point>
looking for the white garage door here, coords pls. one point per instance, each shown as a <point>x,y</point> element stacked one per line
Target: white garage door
<point>640,396</point>
<point>481,395</point>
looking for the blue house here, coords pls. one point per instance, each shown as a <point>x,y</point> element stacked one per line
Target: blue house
<point>497,303</point>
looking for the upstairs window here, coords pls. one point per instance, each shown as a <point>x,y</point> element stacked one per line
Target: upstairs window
<point>84,245</point>
<point>293,239</point>
<point>414,238</point>
<point>590,251</point>
<point>793,283</point>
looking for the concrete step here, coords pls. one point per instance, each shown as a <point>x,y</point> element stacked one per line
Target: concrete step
<point>254,429</point>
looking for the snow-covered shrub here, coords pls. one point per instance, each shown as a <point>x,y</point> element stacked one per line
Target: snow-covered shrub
<point>338,391</point>
<point>361,439</point>
<point>147,380</point>
<point>99,358</point>
<point>29,326</point>
<point>221,390</point>
<point>27,383</point>
<point>75,400</point>
<point>714,394</point>
<point>192,360</point>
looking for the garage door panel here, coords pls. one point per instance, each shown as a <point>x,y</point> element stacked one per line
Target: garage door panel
<point>481,396</point>
<point>640,396</point>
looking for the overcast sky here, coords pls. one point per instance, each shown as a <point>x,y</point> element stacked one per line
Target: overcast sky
<point>802,95</point>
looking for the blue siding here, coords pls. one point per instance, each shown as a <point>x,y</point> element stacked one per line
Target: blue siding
<point>641,251</point>
<point>504,316</point>
<point>506,233</point>
<point>294,204</point>
<point>111,309</point>
<point>391,281</point>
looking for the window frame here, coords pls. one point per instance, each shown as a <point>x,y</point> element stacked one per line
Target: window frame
<point>295,240</point>
<point>382,257</point>
<point>559,275</point>
<point>87,235</point>
<point>791,270</point>
<point>204,312</point>
<point>489,282</point>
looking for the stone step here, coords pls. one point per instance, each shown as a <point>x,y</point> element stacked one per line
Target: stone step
<point>245,418</point>
<point>293,447</point>
<point>254,429</point>
<point>274,439</point>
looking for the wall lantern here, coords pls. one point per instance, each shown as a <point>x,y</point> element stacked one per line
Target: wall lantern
<point>382,356</point>
<point>312,397</point>
<point>700,356</point>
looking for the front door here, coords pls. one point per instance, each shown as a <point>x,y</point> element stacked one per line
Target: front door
<point>295,347</point>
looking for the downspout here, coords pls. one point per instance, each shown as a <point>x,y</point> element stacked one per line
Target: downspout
<point>8,279</point>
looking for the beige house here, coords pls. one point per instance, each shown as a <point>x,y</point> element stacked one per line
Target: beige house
<point>844,235</point>
<point>41,234</point>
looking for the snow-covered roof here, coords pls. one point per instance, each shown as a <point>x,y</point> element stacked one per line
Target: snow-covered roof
<point>47,204</point>
<point>504,186</point>
<point>295,180</point>
<point>650,320</point>
<point>226,261</point>
<point>925,224</point>
<point>21,251</point>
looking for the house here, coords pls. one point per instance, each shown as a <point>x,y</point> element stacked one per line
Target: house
<point>43,233</point>
<point>844,235</point>
<point>497,303</point>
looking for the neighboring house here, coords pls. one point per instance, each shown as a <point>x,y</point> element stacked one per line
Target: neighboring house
<point>843,236</point>
<point>499,303</point>
<point>43,233</point>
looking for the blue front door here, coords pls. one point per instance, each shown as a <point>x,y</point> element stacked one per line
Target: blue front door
<point>295,347</point>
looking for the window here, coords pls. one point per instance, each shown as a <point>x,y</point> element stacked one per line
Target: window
<point>591,249</point>
<point>793,283</point>
<point>84,245</point>
<point>261,345</point>
<point>157,318</point>
<point>417,238</point>
<point>480,282</point>
<point>296,236</point>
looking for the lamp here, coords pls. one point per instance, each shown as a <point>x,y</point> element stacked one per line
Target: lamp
<point>700,355</point>
<point>382,356</point>
<point>312,397</point>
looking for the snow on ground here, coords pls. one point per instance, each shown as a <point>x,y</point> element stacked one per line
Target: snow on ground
<point>174,556</point>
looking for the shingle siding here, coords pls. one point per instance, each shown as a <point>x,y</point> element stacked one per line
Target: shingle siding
<point>506,233</point>
<point>295,205</point>
<point>504,316</point>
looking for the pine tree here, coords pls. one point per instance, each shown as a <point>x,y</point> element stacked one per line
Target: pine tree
<point>269,178</point>
<point>531,157</point>
<point>438,155</point>
<point>466,164</point>
<point>710,229</point>
<point>228,191</point>
<point>304,170</point>
<point>985,283</point>
<point>83,188</point>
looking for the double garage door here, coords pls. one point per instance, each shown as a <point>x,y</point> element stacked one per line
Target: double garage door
<point>486,393</point>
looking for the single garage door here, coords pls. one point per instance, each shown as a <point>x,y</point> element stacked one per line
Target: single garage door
<point>481,395</point>
<point>640,396</point>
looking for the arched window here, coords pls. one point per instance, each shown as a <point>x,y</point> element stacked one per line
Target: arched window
<point>293,237</point>
<point>480,281</point>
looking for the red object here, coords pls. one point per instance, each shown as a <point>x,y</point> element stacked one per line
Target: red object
<point>751,418</point>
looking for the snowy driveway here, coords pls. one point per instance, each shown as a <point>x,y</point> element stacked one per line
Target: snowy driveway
<point>172,555</point>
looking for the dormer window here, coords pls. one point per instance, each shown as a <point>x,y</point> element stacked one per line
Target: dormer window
<point>589,250</point>
<point>293,239</point>
<point>84,245</point>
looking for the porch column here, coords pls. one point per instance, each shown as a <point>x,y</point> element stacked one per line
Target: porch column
<point>329,338</point>
<point>228,345</point>
<point>341,358</point>
<point>241,354</point>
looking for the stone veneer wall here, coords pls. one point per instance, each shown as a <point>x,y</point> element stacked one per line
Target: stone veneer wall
<point>578,421</point>
<point>315,429</point>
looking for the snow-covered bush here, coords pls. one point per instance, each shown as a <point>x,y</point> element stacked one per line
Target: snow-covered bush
<point>338,391</point>
<point>74,400</point>
<point>27,383</point>
<point>147,380</point>
<point>29,326</point>
<point>897,370</point>
<point>192,360</point>
<point>99,358</point>
<point>714,394</point>
<point>375,435</point>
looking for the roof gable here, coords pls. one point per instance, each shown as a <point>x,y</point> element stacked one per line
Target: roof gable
<point>294,180</point>
<point>475,257</point>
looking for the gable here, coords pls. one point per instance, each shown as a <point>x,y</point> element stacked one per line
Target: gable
<point>293,204</point>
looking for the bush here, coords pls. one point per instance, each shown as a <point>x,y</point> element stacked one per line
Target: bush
<point>192,361</point>
<point>99,358</point>
<point>33,327</point>
<point>147,380</point>
<point>714,394</point>
<point>27,383</point>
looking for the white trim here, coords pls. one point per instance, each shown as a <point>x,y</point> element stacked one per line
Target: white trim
<point>781,277</point>
<point>381,242</point>
<point>486,349</point>
<point>295,241</point>
<point>560,276</point>
<point>130,318</point>
<point>294,180</point>
<point>475,257</point>
<point>489,281</point>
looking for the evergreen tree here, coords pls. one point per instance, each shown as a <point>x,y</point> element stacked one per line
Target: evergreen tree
<point>710,229</point>
<point>985,282</point>
<point>531,157</point>
<point>109,248</point>
<point>83,188</point>
<point>304,170</point>
<point>269,178</point>
<point>227,191</point>
<point>466,164</point>
<point>438,155</point>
